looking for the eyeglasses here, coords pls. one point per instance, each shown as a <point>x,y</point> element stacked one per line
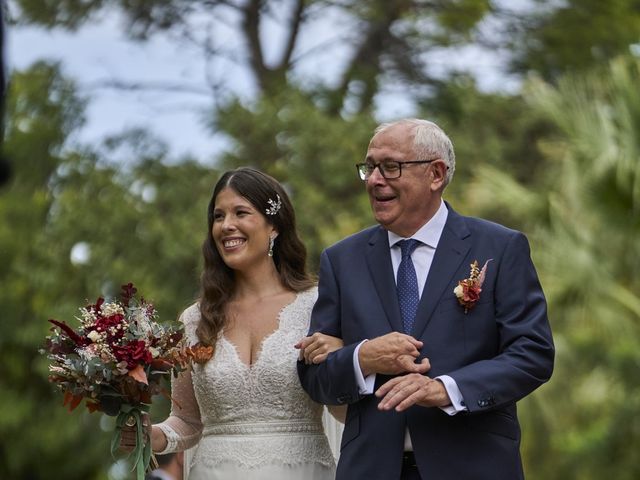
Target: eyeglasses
<point>388,168</point>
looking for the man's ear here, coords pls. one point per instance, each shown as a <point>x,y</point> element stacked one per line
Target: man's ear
<point>438,175</point>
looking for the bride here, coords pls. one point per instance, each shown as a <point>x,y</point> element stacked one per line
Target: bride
<point>240,404</point>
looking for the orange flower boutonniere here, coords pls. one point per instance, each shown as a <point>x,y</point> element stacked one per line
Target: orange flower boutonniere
<point>468,290</point>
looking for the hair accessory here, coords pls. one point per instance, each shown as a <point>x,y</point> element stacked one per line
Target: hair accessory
<point>275,205</point>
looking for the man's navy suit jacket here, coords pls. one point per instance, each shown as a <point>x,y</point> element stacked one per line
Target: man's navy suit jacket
<point>497,352</point>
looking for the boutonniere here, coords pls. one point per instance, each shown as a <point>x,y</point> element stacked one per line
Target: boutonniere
<point>468,290</point>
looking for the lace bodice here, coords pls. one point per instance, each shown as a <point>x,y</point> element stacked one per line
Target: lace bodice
<point>250,415</point>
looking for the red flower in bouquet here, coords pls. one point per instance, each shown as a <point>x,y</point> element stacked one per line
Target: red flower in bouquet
<point>133,353</point>
<point>116,360</point>
<point>468,290</point>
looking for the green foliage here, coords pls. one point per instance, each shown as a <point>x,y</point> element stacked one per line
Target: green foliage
<point>459,17</point>
<point>575,35</point>
<point>51,13</point>
<point>42,110</point>
<point>138,220</point>
<point>488,129</point>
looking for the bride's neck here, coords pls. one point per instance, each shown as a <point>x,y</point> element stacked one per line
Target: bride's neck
<point>258,284</point>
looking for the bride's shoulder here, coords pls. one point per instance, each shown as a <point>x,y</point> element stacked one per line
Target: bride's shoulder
<point>190,318</point>
<point>295,316</point>
<point>304,301</point>
<point>309,296</point>
<point>191,314</point>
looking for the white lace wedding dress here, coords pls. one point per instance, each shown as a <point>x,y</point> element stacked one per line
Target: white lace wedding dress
<point>250,422</point>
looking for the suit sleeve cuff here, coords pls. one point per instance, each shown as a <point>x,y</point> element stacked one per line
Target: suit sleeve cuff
<point>365,385</point>
<point>457,402</point>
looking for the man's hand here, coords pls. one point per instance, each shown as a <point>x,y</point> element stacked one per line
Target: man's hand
<point>392,354</point>
<point>413,389</point>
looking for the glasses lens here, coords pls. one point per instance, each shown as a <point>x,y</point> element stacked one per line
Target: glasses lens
<point>390,169</point>
<point>362,171</point>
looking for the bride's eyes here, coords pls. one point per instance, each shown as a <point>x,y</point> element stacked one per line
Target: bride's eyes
<point>219,216</point>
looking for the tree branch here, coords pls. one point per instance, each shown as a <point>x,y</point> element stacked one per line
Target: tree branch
<point>365,64</point>
<point>294,29</point>
<point>251,29</point>
<point>226,3</point>
<point>132,86</point>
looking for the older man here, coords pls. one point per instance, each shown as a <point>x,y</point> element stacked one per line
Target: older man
<point>444,324</point>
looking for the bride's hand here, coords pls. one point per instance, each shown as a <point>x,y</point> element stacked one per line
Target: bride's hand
<point>128,433</point>
<point>315,348</point>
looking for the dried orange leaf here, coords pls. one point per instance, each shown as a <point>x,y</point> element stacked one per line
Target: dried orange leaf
<point>139,374</point>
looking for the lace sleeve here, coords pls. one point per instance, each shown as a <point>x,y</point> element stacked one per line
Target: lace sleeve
<point>183,428</point>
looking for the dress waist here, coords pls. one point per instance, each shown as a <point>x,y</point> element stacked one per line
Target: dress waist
<point>263,428</point>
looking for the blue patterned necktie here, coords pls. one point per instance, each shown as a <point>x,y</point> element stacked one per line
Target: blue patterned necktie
<point>407,284</point>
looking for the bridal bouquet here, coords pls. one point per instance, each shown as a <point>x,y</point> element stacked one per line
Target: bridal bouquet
<point>116,360</point>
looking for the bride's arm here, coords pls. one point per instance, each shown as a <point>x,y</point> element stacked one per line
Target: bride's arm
<point>183,428</point>
<point>315,348</point>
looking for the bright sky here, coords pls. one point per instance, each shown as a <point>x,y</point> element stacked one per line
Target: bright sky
<point>99,52</point>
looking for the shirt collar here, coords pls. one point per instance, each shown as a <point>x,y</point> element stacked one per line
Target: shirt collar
<point>430,232</point>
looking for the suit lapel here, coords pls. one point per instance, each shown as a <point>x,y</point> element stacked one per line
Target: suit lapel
<point>452,248</point>
<point>379,262</point>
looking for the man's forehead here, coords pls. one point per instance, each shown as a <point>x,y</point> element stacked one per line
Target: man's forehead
<point>390,147</point>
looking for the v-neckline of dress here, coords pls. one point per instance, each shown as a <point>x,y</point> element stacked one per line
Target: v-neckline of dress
<point>234,347</point>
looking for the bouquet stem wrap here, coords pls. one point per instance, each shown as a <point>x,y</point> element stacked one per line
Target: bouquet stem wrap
<point>142,451</point>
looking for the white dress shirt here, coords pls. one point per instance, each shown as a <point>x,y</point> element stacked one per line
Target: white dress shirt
<point>429,236</point>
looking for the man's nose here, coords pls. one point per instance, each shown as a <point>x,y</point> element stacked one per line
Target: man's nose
<point>376,177</point>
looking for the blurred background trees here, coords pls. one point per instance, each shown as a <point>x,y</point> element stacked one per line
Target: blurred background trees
<point>558,157</point>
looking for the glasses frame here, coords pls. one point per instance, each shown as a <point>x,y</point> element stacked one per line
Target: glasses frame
<point>365,177</point>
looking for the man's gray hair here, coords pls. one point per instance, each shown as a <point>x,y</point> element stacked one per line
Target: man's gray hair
<point>429,141</point>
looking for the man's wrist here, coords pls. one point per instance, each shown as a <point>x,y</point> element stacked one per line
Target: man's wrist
<point>362,360</point>
<point>443,399</point>
<point>454,394</point>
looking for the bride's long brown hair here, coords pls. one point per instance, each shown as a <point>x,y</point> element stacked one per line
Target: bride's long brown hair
<point>289,253</point>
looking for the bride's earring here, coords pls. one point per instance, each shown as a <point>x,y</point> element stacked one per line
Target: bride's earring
<point>272,240</point>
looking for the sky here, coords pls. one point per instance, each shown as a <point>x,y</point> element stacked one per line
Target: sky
<point>99,53</point>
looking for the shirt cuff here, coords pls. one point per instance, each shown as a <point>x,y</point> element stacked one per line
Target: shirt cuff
<point>365,385</point>
<point>457,402</point>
